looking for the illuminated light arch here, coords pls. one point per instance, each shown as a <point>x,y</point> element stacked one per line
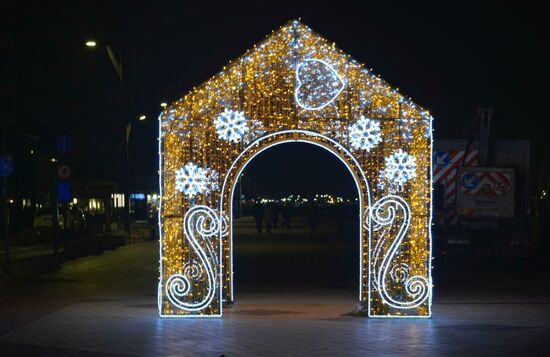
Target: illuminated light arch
<point>289,136</point>
<point>294,86</point>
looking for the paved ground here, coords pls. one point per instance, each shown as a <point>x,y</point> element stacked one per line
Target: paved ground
<point>106,305</point>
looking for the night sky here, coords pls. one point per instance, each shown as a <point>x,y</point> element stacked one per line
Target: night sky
<point>297,168</point>
<point>448,57</point>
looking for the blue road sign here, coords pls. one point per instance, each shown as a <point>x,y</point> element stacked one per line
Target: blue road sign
<point>469,180</point>
<point>6,167</point>
<point>64,143</point>
<point>441,158</point>
<point>64,192</point>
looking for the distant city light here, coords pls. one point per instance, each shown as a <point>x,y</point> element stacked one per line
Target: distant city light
<point>142,117</point>
<point>163,104</point>
<point>91,43</point>
<point>53,159</point>
<point>298,200</point>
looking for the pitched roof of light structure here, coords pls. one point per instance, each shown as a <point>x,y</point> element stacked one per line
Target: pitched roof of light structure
<point>270,81</point>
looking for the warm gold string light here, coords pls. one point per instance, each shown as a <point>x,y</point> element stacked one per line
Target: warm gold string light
<point>262,84</point>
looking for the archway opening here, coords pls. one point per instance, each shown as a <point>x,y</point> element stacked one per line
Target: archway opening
<point>296,227</point>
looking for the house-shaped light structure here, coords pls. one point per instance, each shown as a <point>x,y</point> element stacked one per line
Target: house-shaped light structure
<point>295,86</point>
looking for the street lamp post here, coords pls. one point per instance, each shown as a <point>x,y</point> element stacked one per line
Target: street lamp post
<point>117,65</point>
<point>127,175</point>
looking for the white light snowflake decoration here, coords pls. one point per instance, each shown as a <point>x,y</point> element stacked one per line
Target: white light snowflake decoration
<point>231,125</point>
<point>365,134</point>
<point>192,180</point>
<point>400,168</point>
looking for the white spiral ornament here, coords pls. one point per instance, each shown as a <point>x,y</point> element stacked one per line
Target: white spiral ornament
<point>383,214</point>
<point>399,272</point>
<point>192,270</point>
<point>201,224</point>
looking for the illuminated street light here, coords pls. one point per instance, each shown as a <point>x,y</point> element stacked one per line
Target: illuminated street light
<point>117,65</point>
<point>163,104</point>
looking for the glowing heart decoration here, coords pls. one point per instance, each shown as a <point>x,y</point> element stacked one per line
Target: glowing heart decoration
<point>318,84</point>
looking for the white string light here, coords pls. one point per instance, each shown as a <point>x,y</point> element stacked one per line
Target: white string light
<point>295,87</point>
<point>384,213</point>
<point>318,84</point>
<point>201,220</point>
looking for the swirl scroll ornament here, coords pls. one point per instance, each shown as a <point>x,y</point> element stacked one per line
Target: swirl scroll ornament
<point>192,270</point>
<point>384,214</point>
<point>201,224</point>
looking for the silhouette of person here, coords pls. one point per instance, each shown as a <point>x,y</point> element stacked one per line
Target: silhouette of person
<point>312,217</point>
<point>268,217</point>
<point>258,215</point>
<point>341,214</point>
<point>275,215</point>
<point>287,214</point>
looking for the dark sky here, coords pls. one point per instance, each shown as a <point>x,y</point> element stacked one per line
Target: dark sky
<point>297,168</point>
<point>449,57</point>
